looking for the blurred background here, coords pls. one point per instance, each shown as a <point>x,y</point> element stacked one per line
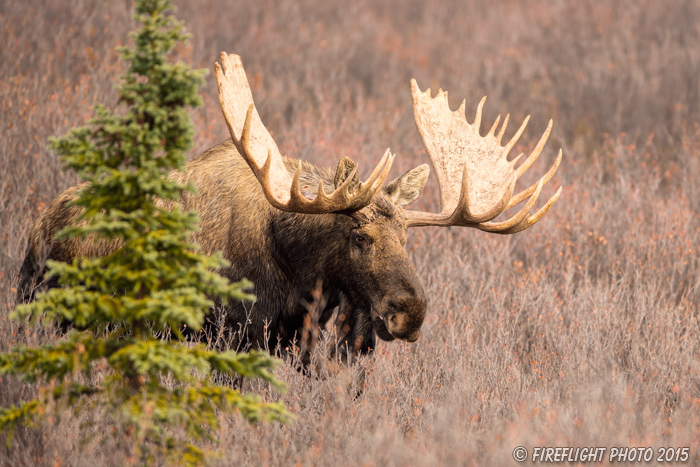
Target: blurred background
<point>583,329</point>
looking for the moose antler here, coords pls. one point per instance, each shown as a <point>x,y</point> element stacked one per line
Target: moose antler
<point>256,146</point>
<point>475,177</point>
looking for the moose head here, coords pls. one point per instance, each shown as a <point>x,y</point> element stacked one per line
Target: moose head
<point>364,222</point>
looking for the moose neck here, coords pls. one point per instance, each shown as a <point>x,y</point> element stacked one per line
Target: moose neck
<point>306,247</point>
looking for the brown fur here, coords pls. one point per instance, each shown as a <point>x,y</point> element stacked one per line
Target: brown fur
<point>285,255</point>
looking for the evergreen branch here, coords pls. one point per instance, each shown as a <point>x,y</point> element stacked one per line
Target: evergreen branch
<point>15,415</point>
<point>54,360</point>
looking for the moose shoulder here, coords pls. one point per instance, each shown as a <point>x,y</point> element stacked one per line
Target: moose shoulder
<point>288,226</point>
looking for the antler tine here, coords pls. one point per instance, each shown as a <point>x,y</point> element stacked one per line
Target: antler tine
<point>516,219</point>
<point>503,129</point>
<point>477,120</point>
<point>294,191</point>
<point>530,221</point>
<point>381,171</point>
<point>516,136</point>
<point>515,160</point>
<point>536,152</point>
<point>463,215</point>
<point>253,142</point>
<point>523,195</point>
<point>492,131</point>
<point>244,141</point>
<point>321,195</point>
<point>462,210</point>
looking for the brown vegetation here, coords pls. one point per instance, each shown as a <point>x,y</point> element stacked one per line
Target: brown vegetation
<point>581,331</point>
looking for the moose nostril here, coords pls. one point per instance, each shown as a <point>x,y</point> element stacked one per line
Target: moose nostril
<point>392,319</point>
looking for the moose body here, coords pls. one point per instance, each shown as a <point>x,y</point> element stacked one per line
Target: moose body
<point>285,255</point>
<point>290,226</point>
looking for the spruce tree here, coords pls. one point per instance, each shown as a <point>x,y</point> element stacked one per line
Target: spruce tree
<point>155,283</point>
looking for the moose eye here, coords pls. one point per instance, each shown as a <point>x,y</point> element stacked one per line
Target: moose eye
<point>360,240</point>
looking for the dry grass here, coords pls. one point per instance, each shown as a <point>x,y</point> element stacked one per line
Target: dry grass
<point>582,331</point>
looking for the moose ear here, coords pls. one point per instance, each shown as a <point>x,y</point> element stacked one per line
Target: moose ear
<point>408,186</point>
<point>345,167</point>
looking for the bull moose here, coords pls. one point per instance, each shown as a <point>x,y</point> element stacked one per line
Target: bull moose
<point>286,225</point>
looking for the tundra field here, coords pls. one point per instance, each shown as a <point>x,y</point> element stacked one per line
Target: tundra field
<point>581,331</point>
